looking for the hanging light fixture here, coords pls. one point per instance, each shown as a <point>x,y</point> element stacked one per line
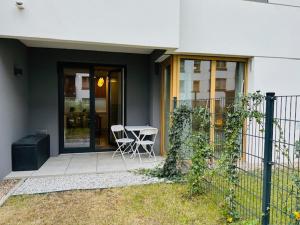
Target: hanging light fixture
<point>100,82</point>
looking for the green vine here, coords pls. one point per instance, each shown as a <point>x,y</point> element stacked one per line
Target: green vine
<point>295,177</point>
<point>202,151</point>
<point>245,108</point>
<point>294,191</point>
<point>180,120</point>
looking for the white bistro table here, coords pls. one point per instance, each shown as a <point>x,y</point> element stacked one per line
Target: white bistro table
<point>135,130</point>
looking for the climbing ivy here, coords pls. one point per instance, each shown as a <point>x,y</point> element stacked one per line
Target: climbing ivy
<point>243,109</point>
<point>180,123</point>
<point>202,151</point>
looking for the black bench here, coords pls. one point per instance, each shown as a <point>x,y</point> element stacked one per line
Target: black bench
<point>30,152</point>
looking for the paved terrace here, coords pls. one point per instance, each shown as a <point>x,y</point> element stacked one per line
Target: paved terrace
<point>87,163</point>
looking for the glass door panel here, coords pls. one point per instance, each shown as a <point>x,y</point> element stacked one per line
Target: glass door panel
<point>228,85</point>
<point>195,82</point>
<point>76,86</point>
<point>108,93</point>
<point>101,107</point>
<point>115,100</point>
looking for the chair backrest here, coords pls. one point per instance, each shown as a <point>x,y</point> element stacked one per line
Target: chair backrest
<point>152,132</point>
<point>117,128</point>
<point>149,131</point>
<point>118,131</point>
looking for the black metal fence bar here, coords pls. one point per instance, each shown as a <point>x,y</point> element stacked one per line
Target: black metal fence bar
<point>268,149</point>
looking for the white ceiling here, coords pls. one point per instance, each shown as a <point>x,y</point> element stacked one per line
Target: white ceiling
<point>86,46</point>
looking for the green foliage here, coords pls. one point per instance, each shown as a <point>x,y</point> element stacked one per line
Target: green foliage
<point>247,222</point>
<point>243,109</point>
<point>297,149</point>
<point>295,188</point>
<point>202,151</point>
<point>180,120</point>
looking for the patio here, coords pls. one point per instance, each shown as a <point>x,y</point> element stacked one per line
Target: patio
<point>87,163</point>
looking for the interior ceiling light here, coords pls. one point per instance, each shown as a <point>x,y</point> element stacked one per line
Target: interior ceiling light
<point>100,82</point>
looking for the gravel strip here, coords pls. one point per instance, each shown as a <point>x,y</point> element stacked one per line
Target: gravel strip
<point>6,186</point>
<point>37,185</point>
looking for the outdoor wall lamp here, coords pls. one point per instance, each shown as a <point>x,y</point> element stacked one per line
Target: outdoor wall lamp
<point>20,4</point>
<point>18,72</point>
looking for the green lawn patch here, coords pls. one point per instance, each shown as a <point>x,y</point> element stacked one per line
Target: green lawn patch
<point>136,205</point>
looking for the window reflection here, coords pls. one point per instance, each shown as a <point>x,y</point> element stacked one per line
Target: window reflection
<point>195,81</point>
<point>229,84</point>
<point>76,108</point>
<point>195,87</point>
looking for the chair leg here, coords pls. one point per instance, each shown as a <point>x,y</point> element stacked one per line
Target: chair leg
<point>134,151</point>
<point>118,149</point>
<point>152,151</point>
<point>145,148</point>
<point>139,154</point>
<point>122,154</point>
<point>115,152</point>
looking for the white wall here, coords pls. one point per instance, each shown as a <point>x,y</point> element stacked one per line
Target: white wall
<point>286,2</point>
<point>243,28</point>
<point>152,23</point>
<point>278,75</point>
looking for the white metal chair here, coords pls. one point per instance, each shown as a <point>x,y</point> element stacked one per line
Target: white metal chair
<point>146,138</point>
<point>123,142</point>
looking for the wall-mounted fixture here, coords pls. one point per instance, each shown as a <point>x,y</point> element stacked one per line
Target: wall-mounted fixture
<point>100,82</point>
<point>18,72</point>
<point>20,4</point>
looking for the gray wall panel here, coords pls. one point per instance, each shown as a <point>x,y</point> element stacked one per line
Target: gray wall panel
<point>155,96</point>
<point>13,99</point>
<point>43,86</point>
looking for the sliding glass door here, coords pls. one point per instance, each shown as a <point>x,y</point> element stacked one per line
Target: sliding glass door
<point>116,112</point>
<point>76,111</point>
<point>92,99</point>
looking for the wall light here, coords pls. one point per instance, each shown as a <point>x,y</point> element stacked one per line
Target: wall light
<point>20,4</point>
<point>100,82</point>
<point>18,72</point>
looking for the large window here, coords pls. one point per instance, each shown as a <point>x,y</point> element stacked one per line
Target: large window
<point>229,84</point>
<point>213,84</point>
<point>196,81</point>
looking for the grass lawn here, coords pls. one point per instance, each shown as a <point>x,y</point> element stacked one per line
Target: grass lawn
<point>250,191</point>
<point>147,204</point>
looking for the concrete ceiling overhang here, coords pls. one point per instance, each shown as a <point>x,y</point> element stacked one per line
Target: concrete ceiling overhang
<point>39,43</point>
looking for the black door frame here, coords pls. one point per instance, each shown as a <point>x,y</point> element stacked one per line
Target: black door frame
<point>90,67</point>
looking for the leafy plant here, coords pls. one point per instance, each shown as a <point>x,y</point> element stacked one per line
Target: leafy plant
<point>202,151</point>
<point>247,222</point>
<point>295,188</point>
<point>297,149</point>
<point>180,120</point>
<point>243,109</point>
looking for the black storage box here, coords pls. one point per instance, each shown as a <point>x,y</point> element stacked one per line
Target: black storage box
<point>30,152</point>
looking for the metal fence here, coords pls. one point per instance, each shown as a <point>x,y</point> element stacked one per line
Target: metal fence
<point>269,165</point>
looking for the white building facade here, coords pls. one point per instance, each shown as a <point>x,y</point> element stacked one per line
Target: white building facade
<point>146,52</point>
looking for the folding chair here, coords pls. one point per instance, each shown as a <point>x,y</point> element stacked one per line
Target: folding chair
<point>146,138</point>
<point>123,143</point>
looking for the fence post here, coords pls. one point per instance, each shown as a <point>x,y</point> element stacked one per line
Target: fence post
<point>268,147</point>
<point>174,103</point>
